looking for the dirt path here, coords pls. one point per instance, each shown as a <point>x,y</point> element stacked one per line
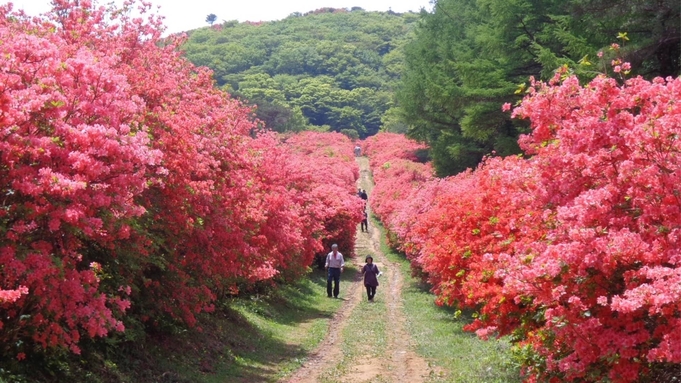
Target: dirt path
<point>400,363</point>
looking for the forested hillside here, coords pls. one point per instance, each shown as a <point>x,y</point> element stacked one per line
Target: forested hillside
<point>331,69</point>
<point>470,57</point>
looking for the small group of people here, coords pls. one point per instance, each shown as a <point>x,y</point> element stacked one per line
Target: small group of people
<point>335,264</point>
<point>358,151</point>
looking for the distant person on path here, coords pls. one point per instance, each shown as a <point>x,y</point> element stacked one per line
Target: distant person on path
<point>364,226</point>
<point>334,267</point>
<point>363,195</point>
<point>371,273</point>
<point>358,151</point>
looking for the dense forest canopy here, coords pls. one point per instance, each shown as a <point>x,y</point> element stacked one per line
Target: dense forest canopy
<point>469,57</point>
<point>330,69</point>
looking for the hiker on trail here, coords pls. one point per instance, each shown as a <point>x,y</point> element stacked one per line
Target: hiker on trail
<point>364,226</point>
<point>358,151</point>
<point>363,195</point>
<point>334,267</point>
<point>371,273</point>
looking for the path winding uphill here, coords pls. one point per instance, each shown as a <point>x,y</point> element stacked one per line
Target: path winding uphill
<point>367,342</point>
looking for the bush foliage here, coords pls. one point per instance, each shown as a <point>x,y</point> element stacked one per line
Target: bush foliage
<point>134,192</point>
<point>574,252</point>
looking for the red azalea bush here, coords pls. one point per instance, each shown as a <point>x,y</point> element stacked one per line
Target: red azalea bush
<point>384,147</point>
<point>607,158</point>
<point>74,160</point>
<point>395,180</point>
<point>307,196</point>
<point>402,186</point>
<point>421,199</point>
<point>482,220</point>
<point>130,184</point>
<point>395,171</point>
<point>327,160</point>
<point>390,180</point>
<point>573,252</point>
<point>9,296</point>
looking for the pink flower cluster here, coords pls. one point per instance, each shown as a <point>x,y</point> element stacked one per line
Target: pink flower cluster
<point>9,296</point>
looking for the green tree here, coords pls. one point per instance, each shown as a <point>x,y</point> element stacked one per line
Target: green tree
<point>210,19</point>
<point>270,104</point>
<point>469,56</point>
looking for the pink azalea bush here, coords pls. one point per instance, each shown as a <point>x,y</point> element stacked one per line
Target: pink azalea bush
<point>574,252</point>
<point>133,191</point>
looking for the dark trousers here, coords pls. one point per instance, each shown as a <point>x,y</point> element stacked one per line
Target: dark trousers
<point>333,274</point>
<point>364,226</point>
<point>371,291</point>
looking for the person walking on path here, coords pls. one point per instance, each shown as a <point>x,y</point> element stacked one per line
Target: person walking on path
<point>361,193</point>
<point>364,225</point>
<point>334,267</point>
<point>371,273</point>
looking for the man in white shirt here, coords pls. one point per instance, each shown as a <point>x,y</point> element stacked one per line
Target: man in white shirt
<point>334,267</point>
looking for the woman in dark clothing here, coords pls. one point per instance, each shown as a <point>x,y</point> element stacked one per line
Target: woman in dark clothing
<point>371,274</point>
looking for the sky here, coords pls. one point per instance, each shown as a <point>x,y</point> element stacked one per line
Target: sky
<point>182,15</point>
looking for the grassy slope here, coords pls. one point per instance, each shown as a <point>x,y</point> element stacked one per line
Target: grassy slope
<point>440,337</point>
<point>266,338</point>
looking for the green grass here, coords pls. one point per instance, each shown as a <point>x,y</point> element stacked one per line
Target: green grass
<point>292,333</point>
<point>288,327</point>
<point>364,336</point>
<point>461,356</point>
<point>279,331</point>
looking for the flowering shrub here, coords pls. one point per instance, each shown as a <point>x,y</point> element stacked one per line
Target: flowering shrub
<point>9,296</point>
<point>384,147</point>
<point>606,157</point>
<point>130,184</point>
<point>74,159</point>
<point>327,161</point>
<point>398,178</point>
<point>420,200</point>
<point>573,252</point>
